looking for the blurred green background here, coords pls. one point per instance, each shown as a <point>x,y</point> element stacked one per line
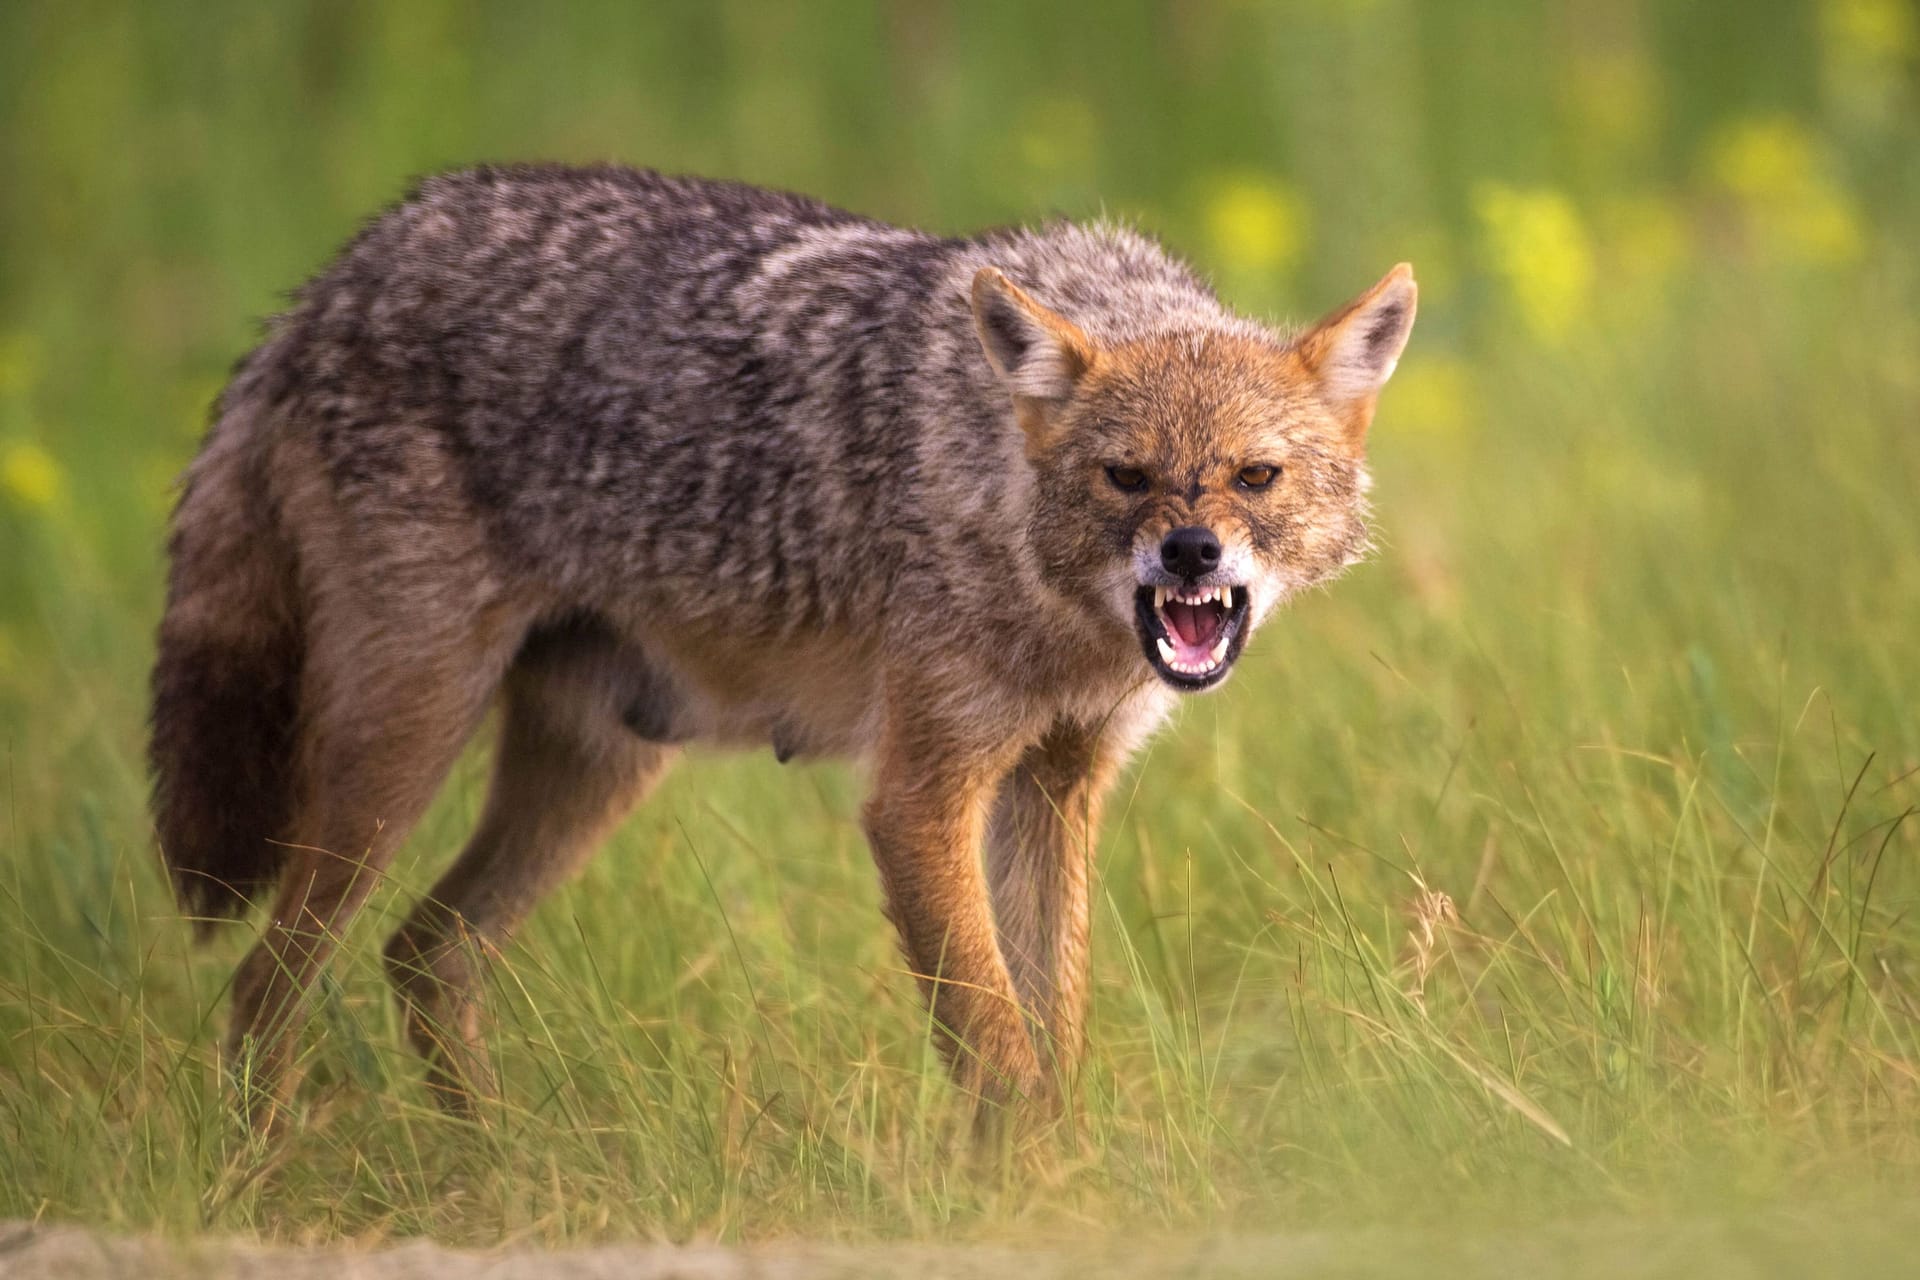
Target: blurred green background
<point>1618,197</point>
<point>1632,679</point>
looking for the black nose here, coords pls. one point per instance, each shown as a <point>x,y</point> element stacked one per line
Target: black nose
<point>1190,552</point>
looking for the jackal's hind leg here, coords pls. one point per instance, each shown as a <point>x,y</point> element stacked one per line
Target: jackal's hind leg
<point>382,723</point>
<point>566,772</point>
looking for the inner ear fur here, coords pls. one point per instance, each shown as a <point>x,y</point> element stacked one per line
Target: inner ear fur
<point>1040,355</point>
<point>1352,352</point>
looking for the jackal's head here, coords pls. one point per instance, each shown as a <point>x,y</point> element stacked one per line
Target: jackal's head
<point>1190,481</point>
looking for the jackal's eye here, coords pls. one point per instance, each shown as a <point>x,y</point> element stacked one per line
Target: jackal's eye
<point>1258,476</point>
<point>1127,479</point>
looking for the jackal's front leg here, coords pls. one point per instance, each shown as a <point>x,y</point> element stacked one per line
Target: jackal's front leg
<point>1040,845</point>
<point>924,821</point>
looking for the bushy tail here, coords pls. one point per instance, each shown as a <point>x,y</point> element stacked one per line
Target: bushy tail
<point>226,682</point>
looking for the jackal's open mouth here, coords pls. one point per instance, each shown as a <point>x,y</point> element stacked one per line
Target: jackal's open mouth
<point>1191,634</point>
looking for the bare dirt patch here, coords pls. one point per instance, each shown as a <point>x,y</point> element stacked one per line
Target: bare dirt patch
<point>1773,1244</point>
<point>31,1252</point>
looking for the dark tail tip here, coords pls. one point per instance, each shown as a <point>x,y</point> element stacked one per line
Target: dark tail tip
<point>224,718</point>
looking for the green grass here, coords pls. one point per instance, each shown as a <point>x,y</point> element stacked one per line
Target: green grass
<point>1631,678</point>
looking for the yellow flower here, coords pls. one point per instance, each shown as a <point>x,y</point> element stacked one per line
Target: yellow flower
<point>1773,166</point>
<point>1536,242</point>
<point>1763,159</point>
<point>1866,50</point>
<point>1823,227</point>
<point>29,476</point>
<point>1255,224</point>
<point>1866,33</point>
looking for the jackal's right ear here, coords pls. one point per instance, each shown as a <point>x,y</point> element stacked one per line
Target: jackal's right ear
<point>1039,355</point>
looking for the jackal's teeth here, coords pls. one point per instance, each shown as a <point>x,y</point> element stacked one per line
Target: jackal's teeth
<point>1219,650</point>
<point>1159,597</point>
<point>1166,651</point>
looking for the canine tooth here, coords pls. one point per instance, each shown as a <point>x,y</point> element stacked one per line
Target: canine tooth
<point>1166,652</point>
<point>1159,597</point>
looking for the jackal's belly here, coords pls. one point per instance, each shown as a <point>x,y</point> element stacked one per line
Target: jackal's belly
<point>813,696</point>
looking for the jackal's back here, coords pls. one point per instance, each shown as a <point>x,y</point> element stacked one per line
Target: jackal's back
<point>583,340</point>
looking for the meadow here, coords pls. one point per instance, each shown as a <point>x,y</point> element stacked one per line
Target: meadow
<point>1561,864</point>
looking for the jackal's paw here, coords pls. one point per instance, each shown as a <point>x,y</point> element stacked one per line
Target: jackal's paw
<point>1007,1074</point>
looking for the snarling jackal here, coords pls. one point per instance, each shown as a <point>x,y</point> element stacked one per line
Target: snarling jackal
<point>650,461</point>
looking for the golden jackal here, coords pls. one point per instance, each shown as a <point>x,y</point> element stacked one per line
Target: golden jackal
<point>657,460</point>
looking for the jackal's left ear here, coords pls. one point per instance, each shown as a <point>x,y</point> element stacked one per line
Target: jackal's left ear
<point>1353,351</point>
<point>1040,356</point>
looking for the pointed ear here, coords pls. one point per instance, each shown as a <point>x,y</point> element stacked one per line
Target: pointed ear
<point>1353,351</point>
<point>1040,356</point>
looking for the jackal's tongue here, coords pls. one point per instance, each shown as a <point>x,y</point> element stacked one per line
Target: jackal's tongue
<point>1194,625</point>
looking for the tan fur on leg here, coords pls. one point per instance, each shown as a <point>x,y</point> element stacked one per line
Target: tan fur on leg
<point>924,822</point>
<point>1040,846</point>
